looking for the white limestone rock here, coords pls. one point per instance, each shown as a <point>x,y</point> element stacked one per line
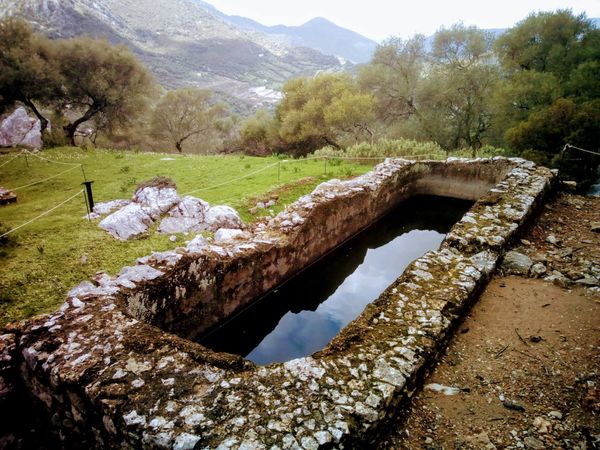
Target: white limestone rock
<point>224,235</point>
<point>222,216</point>
<point>168,259</point>
<point>197,244</point>
<point>129,276</point>
<point>85,288</point>
<point>156,200</point>
<point>128,222</point>
<point>190,207</point>
<point>105,208</point>
<point>20,129</point>
<point>173,225</point>
<point>187,216</point>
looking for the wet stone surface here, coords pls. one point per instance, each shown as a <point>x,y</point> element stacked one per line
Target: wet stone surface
<point>107,378</point>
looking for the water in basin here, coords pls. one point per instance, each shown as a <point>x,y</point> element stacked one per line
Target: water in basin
<point>303,315</point>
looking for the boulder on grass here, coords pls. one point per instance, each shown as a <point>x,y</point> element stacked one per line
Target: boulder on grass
<point>18,129</point>
<point>156,199</point>
<point>128,222</point>
<point>187,216</point>
<point>105,208</point>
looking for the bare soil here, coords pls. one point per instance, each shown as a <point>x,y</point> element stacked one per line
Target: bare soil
<point>526,360</point>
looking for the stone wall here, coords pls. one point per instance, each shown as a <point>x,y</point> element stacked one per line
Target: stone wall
<point>107,377</point>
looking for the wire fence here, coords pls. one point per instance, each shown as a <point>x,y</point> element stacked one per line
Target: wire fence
<point>43,180</point>
<point>45,213</point>
<point>278,164</point>
<point>73,166</point>
<point>311,158</point>
<point>13,158</point>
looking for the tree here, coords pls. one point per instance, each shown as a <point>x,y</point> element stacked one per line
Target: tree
<point>102,82</point>
<point>442,95</point>
<point>324,108</point>
<point>259,133</point>
<point>186,113</point>
<point>551,96</point>
<point>550,42</point>
<point>29,72</point>
<point>394,76</point>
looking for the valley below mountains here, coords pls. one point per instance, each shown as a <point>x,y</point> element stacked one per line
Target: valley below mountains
<point>190,43</point>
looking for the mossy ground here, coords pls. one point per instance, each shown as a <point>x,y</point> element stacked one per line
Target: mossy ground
<point>46,258</point>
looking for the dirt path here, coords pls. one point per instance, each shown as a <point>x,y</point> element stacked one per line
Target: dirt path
<point>526,362</point>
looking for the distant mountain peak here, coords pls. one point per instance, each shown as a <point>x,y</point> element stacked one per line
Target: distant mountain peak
<point>319,21</point>
<point>318,33</point>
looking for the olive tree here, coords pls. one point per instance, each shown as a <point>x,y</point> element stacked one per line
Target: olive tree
<point>183,114</point>
<point>29,71</point>
<point>102,83</point>
<point>323,108</point>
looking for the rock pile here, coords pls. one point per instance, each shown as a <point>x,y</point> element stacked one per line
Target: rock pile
<point>149,204</point>
<point>558,251</point>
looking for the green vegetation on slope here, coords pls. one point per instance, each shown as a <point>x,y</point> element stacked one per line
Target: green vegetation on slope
<point>45,259</point>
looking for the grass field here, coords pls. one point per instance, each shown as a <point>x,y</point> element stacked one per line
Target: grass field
<point>46,258</point>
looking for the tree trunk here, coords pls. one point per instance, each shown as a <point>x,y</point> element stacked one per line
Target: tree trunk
<point>331,142</point>
<point>178,146</point>
<point>42,119</point>
<point>71,128</point>
<point>70,133</point>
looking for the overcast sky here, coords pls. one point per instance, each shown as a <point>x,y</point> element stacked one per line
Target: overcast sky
<point>378,19</point>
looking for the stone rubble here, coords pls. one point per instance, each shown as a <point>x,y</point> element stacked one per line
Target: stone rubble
<point>114,380</point>
<point>134,217</point>
<point>555,260</point>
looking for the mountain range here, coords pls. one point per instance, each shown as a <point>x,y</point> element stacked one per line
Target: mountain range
<point>318,33</point>
<point>190,43</point>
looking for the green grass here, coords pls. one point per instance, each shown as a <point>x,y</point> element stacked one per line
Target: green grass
<point>45,259</point>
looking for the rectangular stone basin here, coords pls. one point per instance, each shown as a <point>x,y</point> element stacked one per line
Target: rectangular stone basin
<point>116,367</point>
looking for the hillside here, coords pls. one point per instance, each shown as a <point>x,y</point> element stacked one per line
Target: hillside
<point>318,33</point>
<point>182,43</point>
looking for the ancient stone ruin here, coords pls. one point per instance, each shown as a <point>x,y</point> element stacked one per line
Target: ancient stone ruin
<point>114,368</point>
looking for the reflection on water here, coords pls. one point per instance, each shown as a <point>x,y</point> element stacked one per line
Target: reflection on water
<point>304,314</point>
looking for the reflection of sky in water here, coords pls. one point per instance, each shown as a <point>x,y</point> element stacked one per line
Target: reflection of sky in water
<point>303,333</point>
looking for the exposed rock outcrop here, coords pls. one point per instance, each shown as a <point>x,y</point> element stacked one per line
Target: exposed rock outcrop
<point>150,203</point>
<point>128,222</point>
<point>18,129</point>
<point>187,216</point>
<point>222,216</point>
